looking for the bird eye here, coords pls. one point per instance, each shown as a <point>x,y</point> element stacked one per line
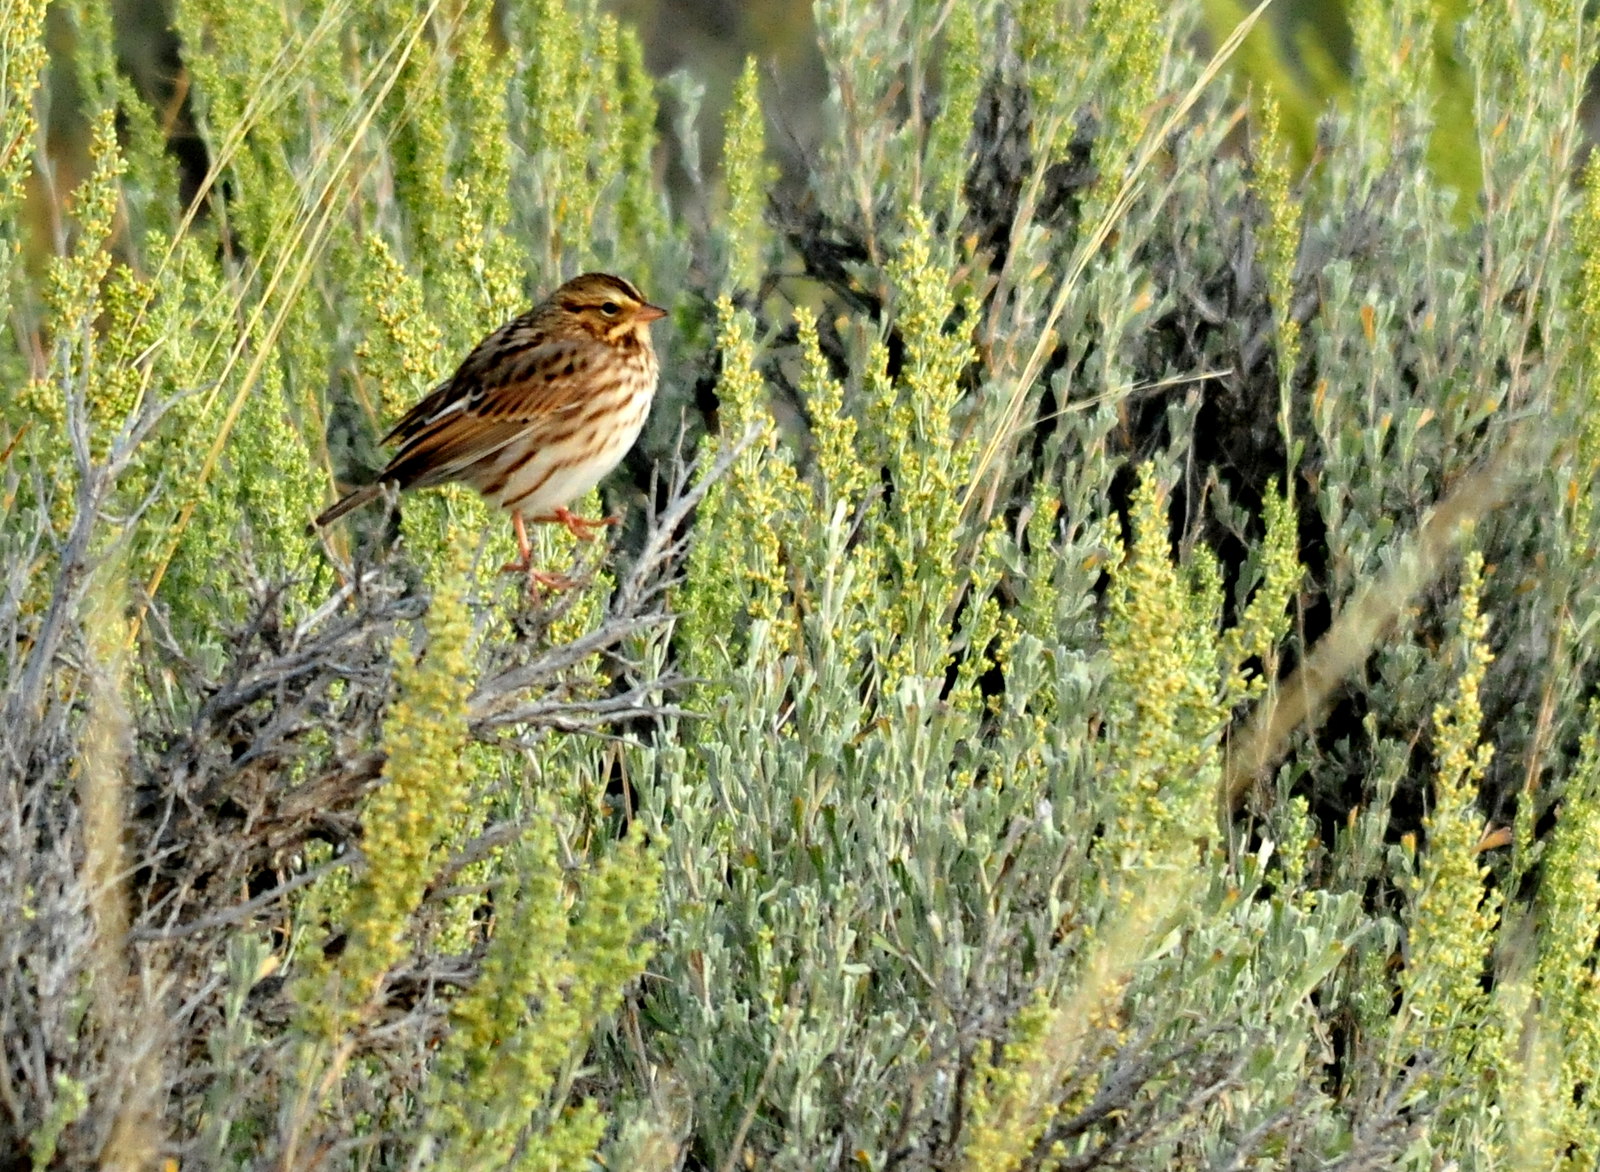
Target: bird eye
<point>611,309</point>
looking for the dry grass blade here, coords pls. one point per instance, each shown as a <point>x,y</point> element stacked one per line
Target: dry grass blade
<point>1362,623</point>
<point>297,261</point>
<point>1087,250</point>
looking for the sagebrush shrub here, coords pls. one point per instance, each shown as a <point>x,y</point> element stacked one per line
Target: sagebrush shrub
<point>1110,687</point>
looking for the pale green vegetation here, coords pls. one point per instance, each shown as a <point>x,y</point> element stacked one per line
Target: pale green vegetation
<point>1113,688</point>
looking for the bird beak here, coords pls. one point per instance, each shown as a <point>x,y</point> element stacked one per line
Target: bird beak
<point>649,313</point>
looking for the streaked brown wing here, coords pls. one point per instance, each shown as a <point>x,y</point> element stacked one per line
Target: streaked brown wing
<point>429,406</point>
<point>534,382</point>
<point>518,333</point>
<point>447,451</point>
<point>501,391</point>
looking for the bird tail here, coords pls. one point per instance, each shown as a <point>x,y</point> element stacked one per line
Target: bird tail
<point>350,500</point>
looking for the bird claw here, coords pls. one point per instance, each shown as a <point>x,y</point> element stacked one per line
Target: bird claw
<point>554,583</point>
<point>582,528</point>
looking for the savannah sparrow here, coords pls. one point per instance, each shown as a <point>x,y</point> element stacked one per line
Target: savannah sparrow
<point>540,410</point>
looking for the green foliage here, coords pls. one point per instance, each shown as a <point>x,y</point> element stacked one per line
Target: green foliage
<point>550,976</point>
<point>749,177</point>
<point>70,1103</point>
<point>1169,680</point>
<point>23,46</point>
<point>1452,918</point>
<point>1569,1046</point>
<point>742,573</point>
<point>1163,711</point>
<point>1048,39</point>
<point>1126,34</point>
<point>1280,232</point>
<point>426,786</point>
<point>962,66</point>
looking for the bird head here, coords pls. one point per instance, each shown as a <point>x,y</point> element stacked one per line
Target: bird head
<point>608,307</point>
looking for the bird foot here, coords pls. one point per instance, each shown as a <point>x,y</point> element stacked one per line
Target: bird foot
<point>582,528</point>
<point>537,578</point>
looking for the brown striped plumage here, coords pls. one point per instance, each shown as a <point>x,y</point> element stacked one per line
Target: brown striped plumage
<point>538,412</point>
